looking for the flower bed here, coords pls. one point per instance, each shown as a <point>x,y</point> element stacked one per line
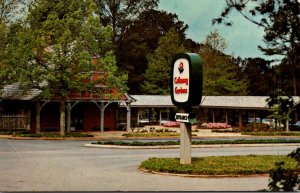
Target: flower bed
<point>218,126</point>
<point>171,124</point>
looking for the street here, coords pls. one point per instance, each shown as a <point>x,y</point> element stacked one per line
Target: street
<point>65,165</point>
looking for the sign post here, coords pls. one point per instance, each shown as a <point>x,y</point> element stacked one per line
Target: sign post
<point>186,91</point>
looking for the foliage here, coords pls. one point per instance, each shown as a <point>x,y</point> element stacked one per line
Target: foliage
<point>52,51</point>
<point>270,133</point>
<point>280,21</point>
<point>260,75</point>
<point>9,9</point>
<point>220,165</point>
<point>222,76</point>
<point>54,135</point>
<point>153,134</point>
<point>285,179</point>
<point>157,76</point>
<point>257,127</point>
<point>163,143</point>
<point>281,106</point>
<point>119,14</point>
<point>141,38</point>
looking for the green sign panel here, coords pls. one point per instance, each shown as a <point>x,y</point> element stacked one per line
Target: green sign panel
<point>186,83</point>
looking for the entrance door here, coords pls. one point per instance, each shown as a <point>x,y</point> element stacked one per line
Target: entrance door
<point>77,118</point>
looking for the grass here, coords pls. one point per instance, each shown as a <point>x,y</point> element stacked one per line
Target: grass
<point>282,133</point>
<point>161,143</point>
<point>221,165</point>
<point>54,135</point>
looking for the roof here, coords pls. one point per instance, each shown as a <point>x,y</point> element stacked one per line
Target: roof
<point>13,92</point>
<point>232,102</point>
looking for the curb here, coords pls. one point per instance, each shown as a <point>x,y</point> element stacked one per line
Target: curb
<point>193,146</point>
<point>202,176</point>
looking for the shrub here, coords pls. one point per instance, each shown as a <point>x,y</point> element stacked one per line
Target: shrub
<point>218,126</point>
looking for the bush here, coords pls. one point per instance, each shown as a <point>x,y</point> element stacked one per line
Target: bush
<point>258,127</point>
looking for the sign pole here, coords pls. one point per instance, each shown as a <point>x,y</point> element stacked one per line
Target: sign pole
<point>185,142</point>
<point>186,91</point>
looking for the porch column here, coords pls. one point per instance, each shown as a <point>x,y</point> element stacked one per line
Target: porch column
<point>213,116</point>
<point>102,108</point>
<point>226,117</point>
<point>69,108</point>
<point>159,116</point>
<point>38,117</point>
<point>28,127</point>
<point>138,117</point>
<point>240,119</point>
<point>128,117</point>
<point>254,115</point>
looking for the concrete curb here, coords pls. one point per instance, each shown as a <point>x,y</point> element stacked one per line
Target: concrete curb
<point>203,176</point>
<point>193,146</point>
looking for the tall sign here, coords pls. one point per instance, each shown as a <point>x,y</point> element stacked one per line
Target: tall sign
<point>186,91</point>
<point>186,74</point>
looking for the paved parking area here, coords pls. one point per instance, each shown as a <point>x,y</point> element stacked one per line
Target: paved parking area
<point>65,165</point>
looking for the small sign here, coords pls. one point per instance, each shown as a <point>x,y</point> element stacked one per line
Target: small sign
<point>182,117</point>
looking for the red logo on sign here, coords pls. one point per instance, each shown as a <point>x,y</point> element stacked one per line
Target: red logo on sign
<point>180,68</point>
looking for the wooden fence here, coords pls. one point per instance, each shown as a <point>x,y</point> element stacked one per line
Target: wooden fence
<point>8,122</point>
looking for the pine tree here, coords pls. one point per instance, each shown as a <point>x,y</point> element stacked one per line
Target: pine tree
<point>157,76</point>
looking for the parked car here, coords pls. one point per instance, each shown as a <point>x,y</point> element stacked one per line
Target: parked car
<point>271,123</point>
<point>144,121</point>
<point>295,126</point>
<point>251,120</point>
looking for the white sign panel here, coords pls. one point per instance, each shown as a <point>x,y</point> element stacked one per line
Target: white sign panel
<point>181,73</point>
<point>182,117</point>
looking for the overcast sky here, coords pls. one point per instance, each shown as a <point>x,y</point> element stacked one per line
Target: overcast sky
<point>242,38</point>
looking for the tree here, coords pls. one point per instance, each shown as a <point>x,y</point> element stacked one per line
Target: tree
<point>281,22</point>
<point>222,76</point>
<point>282,106</point>
<point>119,14</point>
<point>53,50</point>
<point>157,76</point>
<point>140,39</point>
<point>10,9</point>
<point>260,75</point>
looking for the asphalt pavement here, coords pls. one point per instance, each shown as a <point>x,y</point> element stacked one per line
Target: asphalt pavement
<point>67,165</point>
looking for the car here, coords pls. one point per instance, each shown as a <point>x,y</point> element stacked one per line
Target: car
<point>295,126</point>
<point>271,123</point>
<point>144,121</point>
<point>251,120</point>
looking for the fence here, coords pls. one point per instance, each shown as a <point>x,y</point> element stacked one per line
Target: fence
<point>8,122</point>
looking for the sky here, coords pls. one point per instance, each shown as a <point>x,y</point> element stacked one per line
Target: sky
<point>242,38</point>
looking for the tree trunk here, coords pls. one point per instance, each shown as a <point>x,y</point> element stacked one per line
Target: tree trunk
<point>62,118</point>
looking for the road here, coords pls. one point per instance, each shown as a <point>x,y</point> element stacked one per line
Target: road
<point>54,165</point>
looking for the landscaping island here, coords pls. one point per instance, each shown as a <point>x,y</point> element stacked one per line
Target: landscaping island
<point>231,166</point>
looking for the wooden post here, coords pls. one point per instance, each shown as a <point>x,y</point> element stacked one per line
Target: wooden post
<point>185,141</point>
<point>62,118</point>
<point>226,117</point>
<point>254,126</point>
<point>213,116</point>
<point>69,108</point>
<point>240,119</point>
<point>38,117</point>
<point>128,117</point>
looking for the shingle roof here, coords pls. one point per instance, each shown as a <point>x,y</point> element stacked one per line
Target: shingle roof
<point>13,92</point>
<point>234,102</point>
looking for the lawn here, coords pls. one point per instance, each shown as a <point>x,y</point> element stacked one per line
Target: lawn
<point>221,165</point>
